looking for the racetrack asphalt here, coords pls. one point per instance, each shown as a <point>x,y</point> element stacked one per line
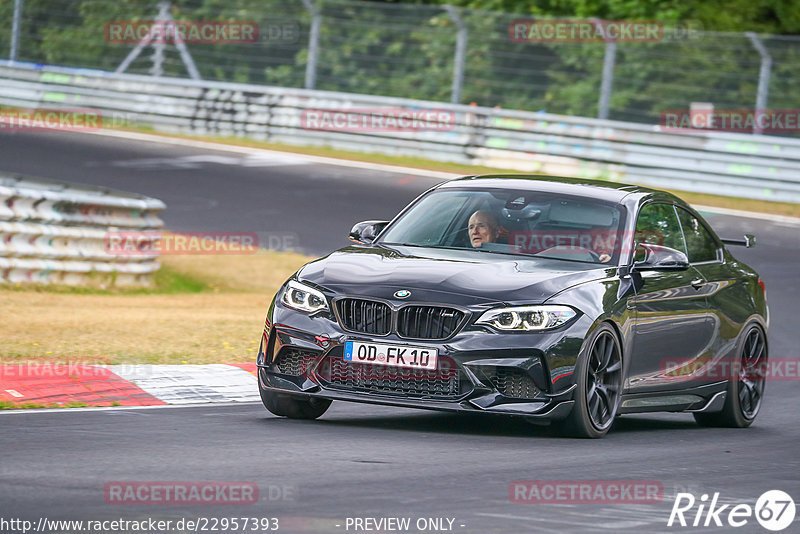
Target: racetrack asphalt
<point>358,460</point>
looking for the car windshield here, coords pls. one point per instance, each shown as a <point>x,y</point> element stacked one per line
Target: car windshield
<point>515,222</point>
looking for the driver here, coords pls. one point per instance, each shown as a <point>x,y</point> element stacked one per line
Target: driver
<point>483,228</point>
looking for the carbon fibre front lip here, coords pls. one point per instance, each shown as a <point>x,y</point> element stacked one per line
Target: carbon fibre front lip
<point>557,407</point>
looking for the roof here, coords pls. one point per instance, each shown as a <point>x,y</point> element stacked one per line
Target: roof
<point>610,191</point>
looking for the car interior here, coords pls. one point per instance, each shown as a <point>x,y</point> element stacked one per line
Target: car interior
<point>533,223</point>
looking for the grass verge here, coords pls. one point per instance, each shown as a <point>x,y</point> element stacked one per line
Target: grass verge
<point>201,309</point>
<point>5,405</point>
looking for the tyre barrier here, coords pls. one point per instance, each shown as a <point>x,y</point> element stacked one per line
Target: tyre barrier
<point>58,233</point>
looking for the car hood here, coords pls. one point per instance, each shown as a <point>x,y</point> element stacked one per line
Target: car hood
<point>454,276</point>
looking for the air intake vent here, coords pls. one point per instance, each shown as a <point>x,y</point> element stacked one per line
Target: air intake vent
<point>514,383</point>
<point>445,382</point>
<point>295,362</point>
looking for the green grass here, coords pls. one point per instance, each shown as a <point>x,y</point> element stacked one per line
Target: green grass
<point>169,280</point>
<point>201,309</point>
<point>166,281</point>
<point>5,405</point>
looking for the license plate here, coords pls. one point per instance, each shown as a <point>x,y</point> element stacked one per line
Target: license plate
<point>394,355</point>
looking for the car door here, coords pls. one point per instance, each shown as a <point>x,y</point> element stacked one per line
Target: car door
<point>729,303</point>
<point>671,322</point>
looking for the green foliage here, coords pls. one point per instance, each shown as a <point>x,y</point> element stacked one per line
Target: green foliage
<point>407,50</point>
<point>765,16</point>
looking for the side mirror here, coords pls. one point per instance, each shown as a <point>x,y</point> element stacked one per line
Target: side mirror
<point>658,258</point>
<point>749,241</point>
<point>365,232</point>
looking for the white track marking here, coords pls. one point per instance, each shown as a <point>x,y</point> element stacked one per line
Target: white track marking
<point>267,154</point>
<point>186,384</point>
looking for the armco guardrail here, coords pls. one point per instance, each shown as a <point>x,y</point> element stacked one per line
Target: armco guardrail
<point>744,165</point>
<point>54,232</point>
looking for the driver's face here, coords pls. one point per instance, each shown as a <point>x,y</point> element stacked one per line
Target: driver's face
<point>480,230</point>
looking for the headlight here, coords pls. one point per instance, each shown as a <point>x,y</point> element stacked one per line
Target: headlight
<point>527,318</point>
<point>304,298</point>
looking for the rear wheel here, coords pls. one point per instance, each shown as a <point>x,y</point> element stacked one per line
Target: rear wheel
<point>599,379</point>
<point>746,389</point>
<point>292,407</point>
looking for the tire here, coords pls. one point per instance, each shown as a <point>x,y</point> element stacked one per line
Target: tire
<point>292,407</point>
<point>599,380</point>
<point>745,391</point>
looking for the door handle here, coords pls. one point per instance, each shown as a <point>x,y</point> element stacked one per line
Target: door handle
<point>697,283</point>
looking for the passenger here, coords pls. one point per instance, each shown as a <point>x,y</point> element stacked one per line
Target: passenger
<point>483,228</point>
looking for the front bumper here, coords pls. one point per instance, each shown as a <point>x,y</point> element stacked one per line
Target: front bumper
<point>520,374</point>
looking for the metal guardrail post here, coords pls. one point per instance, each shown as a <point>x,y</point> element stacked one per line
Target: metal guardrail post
<point>133,54</point>
<point>158,54</point>
<point>763,78</point>
<point>460,56</point>
<point>15,24</point>
<point>186,57</point>
<point>608,76</point>
<point>158,47</point>
<point>313,44</point>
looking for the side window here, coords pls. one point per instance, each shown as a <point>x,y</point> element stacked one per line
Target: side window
<point>657,224</point>
<point>700,244</point>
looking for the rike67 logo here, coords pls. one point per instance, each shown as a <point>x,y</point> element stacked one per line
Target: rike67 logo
<point>774,510</point>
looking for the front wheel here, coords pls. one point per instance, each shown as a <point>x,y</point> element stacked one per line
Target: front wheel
<point>745,387</point>
<point>599,380</point>
<point>292,407</point>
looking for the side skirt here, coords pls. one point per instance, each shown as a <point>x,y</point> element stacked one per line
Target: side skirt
<point>706,398</point>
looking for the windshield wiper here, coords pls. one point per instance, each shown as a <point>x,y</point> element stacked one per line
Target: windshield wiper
<point>415,245</point>
<point>518,254</point>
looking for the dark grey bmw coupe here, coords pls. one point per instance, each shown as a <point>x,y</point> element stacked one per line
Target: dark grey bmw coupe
<point>554,299</point>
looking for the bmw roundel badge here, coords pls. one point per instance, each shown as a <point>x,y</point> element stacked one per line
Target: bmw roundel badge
<point>402,294</point>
